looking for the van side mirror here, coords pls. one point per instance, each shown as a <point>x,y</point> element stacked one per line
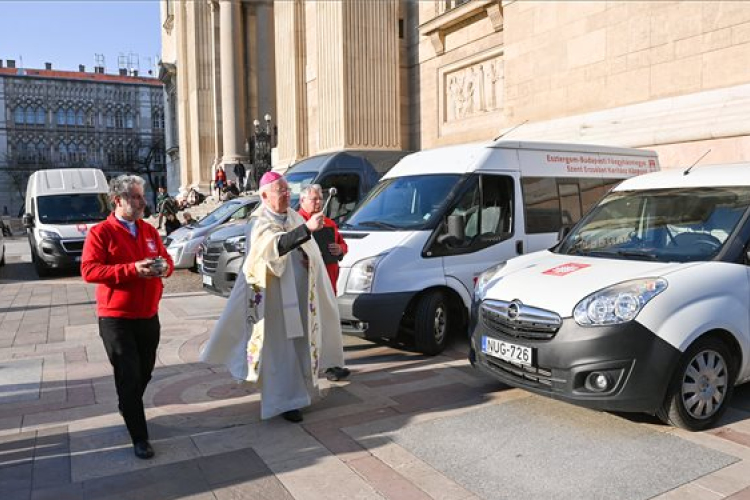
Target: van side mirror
<point>455,230</point>
<point>28,221</point>
<point>564,231</point>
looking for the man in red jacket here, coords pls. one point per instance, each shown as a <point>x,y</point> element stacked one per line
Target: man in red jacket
<point>126,257</point>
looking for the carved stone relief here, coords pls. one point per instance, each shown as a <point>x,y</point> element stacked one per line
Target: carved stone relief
<point>473,89</point>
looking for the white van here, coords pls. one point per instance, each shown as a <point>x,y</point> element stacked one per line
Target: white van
<point>644,306</point>
<point>440,217</point>
<point>61,206</point>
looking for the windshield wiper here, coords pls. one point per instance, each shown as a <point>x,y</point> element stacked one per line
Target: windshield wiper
<point>376,223</point>
<point>638,253</point>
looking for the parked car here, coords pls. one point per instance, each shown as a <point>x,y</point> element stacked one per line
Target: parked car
<point>352,173</point>
<point>183,243</point>
<point>642,307</point>
<point>221,255</point>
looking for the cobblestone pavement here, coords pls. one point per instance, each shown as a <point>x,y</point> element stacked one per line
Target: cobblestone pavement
<point>404,426</point>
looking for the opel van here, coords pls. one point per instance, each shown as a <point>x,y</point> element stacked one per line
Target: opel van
<point>643,307</point>
<point>61,206</point>
<point>440,217</point>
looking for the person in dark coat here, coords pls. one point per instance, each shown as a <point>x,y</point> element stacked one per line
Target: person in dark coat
<point>239,171</point>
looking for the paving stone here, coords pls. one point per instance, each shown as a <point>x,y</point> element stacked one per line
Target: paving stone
<point>261,488</point>
<point>233,467</point>
<point>16,477</point>
<point>67,492</point>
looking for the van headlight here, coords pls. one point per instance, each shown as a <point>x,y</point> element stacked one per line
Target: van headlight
<point>485,279</point>
<point>235,244</point>
<point>48,235</point>
<point>362,274</point>
<point>182,239</point>
<point>618,303</point>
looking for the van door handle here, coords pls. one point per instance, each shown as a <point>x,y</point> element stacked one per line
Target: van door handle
<point>519,247</point>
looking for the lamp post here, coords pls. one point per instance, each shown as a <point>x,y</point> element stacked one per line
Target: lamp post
<point>260,154</point>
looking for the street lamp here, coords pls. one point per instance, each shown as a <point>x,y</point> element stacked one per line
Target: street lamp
<point>260,147</point>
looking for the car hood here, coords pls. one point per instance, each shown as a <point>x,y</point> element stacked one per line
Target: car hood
<point>229,230</point>
<point>368,244</point>
<point>558,282</point>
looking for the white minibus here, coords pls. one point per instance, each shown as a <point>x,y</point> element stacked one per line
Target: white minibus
<point>440,217</point>
<point>62,204</point>
<point>644,306</point>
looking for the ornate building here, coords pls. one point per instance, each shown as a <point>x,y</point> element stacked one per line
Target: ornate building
<point>53,119</point>
<point>407,74</point>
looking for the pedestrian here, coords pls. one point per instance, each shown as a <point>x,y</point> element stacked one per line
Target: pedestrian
<point>289,327</point>
<point>240,172</point>
<point>220,180</point>
<point>171,224</point>
<point>332,248</point>
<point>188,218</point>
<point>160,199</point>
<point>127,259</point>
<point>231,190</point>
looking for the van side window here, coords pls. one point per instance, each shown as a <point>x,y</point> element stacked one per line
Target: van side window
<point>347,194</point>
<point>486,208</point>
<point>551,202</point>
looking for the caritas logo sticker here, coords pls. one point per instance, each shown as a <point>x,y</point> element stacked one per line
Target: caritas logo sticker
<point>564,269</point>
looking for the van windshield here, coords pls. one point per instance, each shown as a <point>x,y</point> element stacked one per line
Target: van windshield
<point>297,182</point>
<point>73,208</point>
<point>667,225</point>
<point>403,203</point>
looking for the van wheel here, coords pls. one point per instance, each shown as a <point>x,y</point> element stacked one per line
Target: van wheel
<point>432,322</point>
<point>42,270</point>
<point>701,386</point>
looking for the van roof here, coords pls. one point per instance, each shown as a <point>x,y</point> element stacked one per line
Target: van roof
<point>463,158</point>
<point>735,174</point>
<point>67,180</point>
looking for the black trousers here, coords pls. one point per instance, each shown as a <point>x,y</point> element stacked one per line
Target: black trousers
<point>131,347</point>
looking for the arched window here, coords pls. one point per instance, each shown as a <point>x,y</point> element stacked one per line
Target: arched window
<point>118,120</point>
<point>30,116</point>
<point>110,120</point>
<point>82,153</point>
<point>41,152</point>
<point>72,153</point>
<point>89,119</point>
<point>41,116</point>
<point>63,152</point>
<point>128,121</point>
<point>19,115</point>
<point>61,117</point>
<point>79,118</point>
<point>71,117</point>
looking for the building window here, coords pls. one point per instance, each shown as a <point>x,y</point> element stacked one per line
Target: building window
<point>19,114</point>
<point>79,118</point>
<point>30,116</point>
<point>118,120</point>
<point>110,120</point>
<point>128,121</point>
<point>72,153</point>
<point>71,117</point>
<point>41,117</point>
<point>89,119</point>
<point>61,117</point>
<point>62,153</point>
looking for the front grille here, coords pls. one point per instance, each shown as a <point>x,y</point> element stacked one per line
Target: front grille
<point>540,376</point>
<point>73,247</point>
<point>211,253</point>
<point>514,319</point>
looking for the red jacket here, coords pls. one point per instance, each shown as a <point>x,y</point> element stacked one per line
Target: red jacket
<point>333,268</point>
<point>109,256</point>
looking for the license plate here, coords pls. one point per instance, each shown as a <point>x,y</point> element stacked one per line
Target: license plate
<point>512,353</point>
<point>208,280</point>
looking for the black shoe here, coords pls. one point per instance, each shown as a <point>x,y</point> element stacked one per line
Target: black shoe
<point>293,416</point>
<point>337,373</point>
<point>143,450</point>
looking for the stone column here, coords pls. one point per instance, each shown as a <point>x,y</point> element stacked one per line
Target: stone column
<point>230,99</point>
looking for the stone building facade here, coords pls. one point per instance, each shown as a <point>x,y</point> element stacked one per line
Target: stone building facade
<point>56,119</point>
<point>406,74</point>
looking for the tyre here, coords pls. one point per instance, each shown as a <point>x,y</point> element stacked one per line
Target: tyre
<point>2,260</point>
<point>701,386</point>
<point>432,321</point>
<point>42,270</point>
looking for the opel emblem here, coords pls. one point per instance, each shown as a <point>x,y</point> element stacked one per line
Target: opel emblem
<point>514,309</point>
